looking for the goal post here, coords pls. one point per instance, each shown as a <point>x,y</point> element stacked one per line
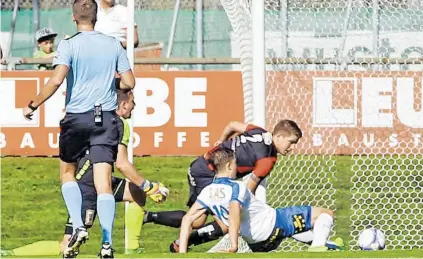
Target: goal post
<point>259,69</point>
<point>130,53</point>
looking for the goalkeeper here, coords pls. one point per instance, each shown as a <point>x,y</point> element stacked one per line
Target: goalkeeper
<point>240,213</point>
<point>122,190</point>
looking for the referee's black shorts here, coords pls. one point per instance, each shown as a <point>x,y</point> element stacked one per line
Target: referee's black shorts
<point>79,133</point>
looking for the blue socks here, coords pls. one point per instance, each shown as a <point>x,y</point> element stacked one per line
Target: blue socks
<point>106,214</point>
<point>105,209</point>
<point>73,200</point>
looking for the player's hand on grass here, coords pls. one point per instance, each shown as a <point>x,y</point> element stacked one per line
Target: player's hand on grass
<point>156,191</point>
<point>230,250</point>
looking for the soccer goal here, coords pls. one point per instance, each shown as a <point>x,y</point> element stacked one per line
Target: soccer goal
<point>349,73</point>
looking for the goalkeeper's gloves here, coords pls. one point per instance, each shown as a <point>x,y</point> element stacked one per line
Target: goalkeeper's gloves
<point>156,191</point>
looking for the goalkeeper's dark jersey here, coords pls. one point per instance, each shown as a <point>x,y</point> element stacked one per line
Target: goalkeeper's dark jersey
<point>254,151</point>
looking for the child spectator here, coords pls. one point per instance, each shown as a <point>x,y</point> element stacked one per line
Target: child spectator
<point>45,38</point>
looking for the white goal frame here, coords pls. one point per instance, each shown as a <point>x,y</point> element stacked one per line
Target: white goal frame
<point>130,53</point>
<point>259,63</point>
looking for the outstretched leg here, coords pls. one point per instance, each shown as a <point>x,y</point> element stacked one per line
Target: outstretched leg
<point>40,248</point>
<point>165,218</point>
<point>322,222</point>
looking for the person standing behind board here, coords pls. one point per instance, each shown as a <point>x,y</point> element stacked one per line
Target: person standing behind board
<point>88,60</point>
<point>113,21</point>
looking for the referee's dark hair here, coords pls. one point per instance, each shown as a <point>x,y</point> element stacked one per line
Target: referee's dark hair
<point>85,11</point>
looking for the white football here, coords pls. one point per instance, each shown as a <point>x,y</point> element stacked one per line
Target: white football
<point>371,239</point>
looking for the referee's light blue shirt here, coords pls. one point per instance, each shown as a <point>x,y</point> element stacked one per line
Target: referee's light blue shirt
<point>92,58</point>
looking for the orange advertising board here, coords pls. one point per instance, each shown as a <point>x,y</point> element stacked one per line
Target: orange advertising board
<point>176,113</point>
<point>344,112</point>
<point>184,113</point>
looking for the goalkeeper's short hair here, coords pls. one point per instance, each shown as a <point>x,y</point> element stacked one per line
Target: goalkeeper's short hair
<point>123,95</point>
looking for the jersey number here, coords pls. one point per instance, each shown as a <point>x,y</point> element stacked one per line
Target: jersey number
<point>220,212</point>
<point>256,138</point>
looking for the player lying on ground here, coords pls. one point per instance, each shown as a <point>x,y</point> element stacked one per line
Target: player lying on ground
<point>122,190</point>
<point>240,213</point>
<point>256,153</point>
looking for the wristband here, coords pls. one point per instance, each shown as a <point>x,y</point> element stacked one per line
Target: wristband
<point>146,186</point>
<point>32,107</point>
<point>255,178</point>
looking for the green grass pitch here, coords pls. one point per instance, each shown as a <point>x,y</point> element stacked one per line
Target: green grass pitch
<point>32,209</point>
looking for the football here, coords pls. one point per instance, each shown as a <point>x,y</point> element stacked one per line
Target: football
<point>371,239</point>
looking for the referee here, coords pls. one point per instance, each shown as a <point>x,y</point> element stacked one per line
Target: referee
<point>88,60</point>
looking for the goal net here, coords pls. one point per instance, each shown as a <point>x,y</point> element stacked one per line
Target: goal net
<point>348,73</point>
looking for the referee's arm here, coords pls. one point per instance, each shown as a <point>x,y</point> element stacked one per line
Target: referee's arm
<point>62,62</point>
<point>127,79</point>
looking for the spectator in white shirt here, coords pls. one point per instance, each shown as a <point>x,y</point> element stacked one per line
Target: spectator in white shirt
<point>112,21</point>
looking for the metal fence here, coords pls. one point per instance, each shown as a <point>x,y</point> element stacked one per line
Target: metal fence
<point>308,20</point>
<point>207,4</point>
